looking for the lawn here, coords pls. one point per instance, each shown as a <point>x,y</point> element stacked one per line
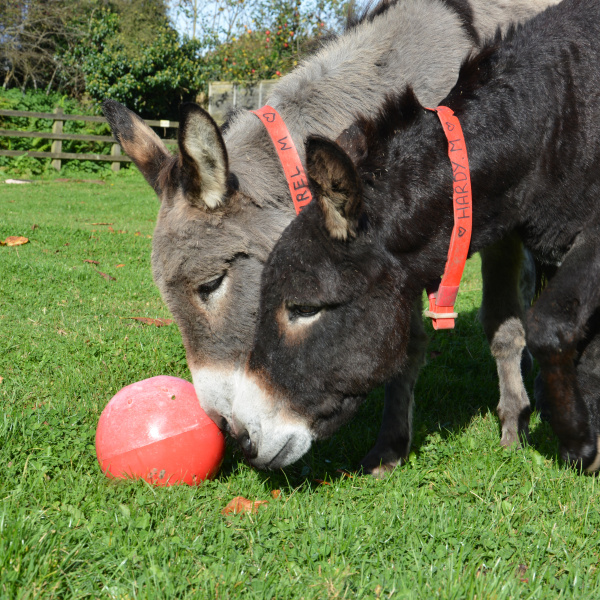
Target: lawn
<point>463,519</point>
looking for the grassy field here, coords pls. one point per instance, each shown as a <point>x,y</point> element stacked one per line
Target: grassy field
<point>463,519</point>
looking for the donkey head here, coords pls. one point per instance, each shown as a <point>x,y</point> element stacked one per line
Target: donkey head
<point>332,323</point>
<point>209,245</point>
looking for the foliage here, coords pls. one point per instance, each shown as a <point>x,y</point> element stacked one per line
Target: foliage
<point>153,79</point>
<point>139,21</point>
<point>156,77</point>
<point>33,35</point>
<point>39,38</point>
<point>226,19</point>
<point>285,33</point>
<point>151,70</point>
<point>30,100</point>
<point>128,51</point>
<point>27,166</point>
<point>205,18</point>
<point>274,38</point>
<point>463,518</point>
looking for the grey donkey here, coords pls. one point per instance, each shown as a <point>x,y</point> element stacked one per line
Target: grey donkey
<point>225,202</point>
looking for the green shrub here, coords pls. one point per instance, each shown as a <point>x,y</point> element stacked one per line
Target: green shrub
<point>27,166</point>
<point>152,79</point>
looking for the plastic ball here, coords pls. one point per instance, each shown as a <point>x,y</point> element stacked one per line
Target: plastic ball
<point>155,429</point>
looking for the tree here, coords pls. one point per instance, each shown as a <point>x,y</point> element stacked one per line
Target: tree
<point>32,33</point>
<point>155,76</point>
<point>38,37</point>
<point>128,50</point>
<point>140,21</point>
<point>151,78</point>
<point>279,33</point>
<point>225,19</point>
<point>214,19</point>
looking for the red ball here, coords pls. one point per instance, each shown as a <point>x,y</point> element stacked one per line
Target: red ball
<point>156,430</point>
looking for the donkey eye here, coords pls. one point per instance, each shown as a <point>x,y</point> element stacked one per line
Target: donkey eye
<point>206,289</point>
<point>302,311</point>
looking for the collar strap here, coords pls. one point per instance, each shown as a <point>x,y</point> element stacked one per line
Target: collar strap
<point>288,156</point>
<point>442,298</point>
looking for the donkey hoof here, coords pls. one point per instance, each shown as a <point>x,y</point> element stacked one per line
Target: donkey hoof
<point>515,430</point>
<point>380,464</point>
<point>509,439</point>
<point>383,471</point>
<point>514,439</point>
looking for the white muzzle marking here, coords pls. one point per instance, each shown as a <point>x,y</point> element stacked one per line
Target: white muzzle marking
<point>279,437</point>
<point>215,389</point>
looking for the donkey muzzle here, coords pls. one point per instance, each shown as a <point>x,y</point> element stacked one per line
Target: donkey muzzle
<point>270,436</point>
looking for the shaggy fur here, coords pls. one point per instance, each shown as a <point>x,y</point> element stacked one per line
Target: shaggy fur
<point>530,111</point>
<point>247,204</point>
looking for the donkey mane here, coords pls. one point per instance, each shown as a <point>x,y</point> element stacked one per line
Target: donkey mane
<point>373,9</point>
<point>474,73</point>
<point>367,141</point>
<point>465,13</point>
<point>369,12</point>
<point>478,69</point>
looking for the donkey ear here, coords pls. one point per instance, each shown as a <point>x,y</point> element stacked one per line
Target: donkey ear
<point>140,143</point>
<point>354,141</point>
<point>203,156</point>
<point>337,185</point>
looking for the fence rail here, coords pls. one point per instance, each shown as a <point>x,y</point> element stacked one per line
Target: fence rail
<point>57,136</point>
<point>88,118</point>
<point>222,98</point>
<point>66,155</point>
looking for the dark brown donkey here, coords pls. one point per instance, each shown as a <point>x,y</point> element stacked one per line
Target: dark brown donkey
<point>224,200</point>
<point>530,110</point>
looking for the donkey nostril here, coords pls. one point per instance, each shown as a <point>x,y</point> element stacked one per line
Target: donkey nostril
<point>246,443</point>
<point>244,440</point>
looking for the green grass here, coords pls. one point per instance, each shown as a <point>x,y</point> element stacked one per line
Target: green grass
<point>462,519</point>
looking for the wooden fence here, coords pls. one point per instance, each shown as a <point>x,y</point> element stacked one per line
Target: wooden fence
<point>57,136</point>
<point>222,97</point>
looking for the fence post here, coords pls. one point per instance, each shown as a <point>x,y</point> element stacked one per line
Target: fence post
<point>57,127</point>
<point>115,150</point>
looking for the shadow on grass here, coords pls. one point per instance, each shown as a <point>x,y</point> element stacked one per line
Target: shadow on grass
<point>542,438</point>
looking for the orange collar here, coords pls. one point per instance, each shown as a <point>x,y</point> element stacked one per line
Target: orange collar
<point>441,301</point>
<point>288,156</point>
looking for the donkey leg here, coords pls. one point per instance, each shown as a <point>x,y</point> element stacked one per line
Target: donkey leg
<point>514,408</point>
<point>393,443</point>
<point>555,327</point>
<point>588,376</point>
<point>502,314</point>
